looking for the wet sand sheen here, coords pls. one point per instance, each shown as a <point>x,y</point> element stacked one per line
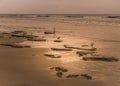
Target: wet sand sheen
<point>29,67</point>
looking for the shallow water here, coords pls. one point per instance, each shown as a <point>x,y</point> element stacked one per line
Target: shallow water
<point>104,32</point>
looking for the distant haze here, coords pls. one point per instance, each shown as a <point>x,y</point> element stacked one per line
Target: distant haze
<point>60,6</point>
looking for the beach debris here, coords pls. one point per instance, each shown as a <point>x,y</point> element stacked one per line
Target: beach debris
<point>61,49</point>
<point>52,56</point>
<point>15,45</point>
<point>38,16</point>
<point>59,69</point>
<point>49,32</point>
<point>34,38</point>
<point>42,16</point>
<point>74,16</point>
<point>58,40</point>
<point>72,76</point>
<point>81,48</point>
<point>82,53</point>
<point>58,37</point>
<point>18,34</point>
<point>59,74</point>
<point>113,16</point>
<point>88,77</point>
<point>28,37</point>
<point>24,35</point>
<point>47,16</point>
<point>100,58</point>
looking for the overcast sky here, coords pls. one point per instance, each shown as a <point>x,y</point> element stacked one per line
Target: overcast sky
<point>60,6</point>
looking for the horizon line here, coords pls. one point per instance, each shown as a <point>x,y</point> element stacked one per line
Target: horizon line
<point>58,14</point>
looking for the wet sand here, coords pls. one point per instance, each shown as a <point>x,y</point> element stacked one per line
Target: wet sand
<point>29,67</point>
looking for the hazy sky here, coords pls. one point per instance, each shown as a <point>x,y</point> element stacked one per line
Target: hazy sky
<point>60,6</point>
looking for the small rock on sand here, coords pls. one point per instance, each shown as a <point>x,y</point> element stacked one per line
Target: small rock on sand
<point>88,77</point>
<point>72,76</point>
<point>59,74</point>
<point>60,69</point>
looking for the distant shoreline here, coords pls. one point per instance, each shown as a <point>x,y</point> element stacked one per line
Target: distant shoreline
<point>64,14</point>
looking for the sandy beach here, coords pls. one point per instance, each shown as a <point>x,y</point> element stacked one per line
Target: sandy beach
<point>30,67</point>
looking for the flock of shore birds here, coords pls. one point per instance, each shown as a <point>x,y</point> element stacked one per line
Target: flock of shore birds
<point>87,52</point>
